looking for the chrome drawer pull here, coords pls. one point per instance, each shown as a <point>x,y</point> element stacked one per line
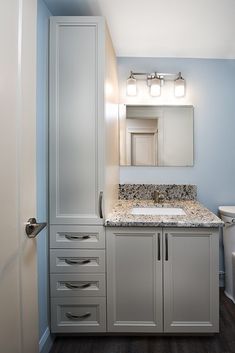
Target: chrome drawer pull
<point>77,286</point>
<point>77,237</point>
<point>77,317</point>
<point>77,262</point>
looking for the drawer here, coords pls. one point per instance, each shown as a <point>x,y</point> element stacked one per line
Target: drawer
<point>71,285</point>
<point>78,315</point>
<point>82,237</point>
<point>79,261</point>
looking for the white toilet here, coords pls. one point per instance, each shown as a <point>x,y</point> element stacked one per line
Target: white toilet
<point>228,216</point>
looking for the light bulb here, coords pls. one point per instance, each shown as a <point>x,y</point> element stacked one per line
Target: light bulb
<point>179,86</point>
<point>131,88</point>
<point>155,88</point>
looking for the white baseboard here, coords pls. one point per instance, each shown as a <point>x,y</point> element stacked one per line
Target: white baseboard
<point>46,341</point>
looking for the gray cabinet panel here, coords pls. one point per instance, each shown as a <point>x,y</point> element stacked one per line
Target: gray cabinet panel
<point>75,153</point>
<point>191,287</point>
<point>134,277</point>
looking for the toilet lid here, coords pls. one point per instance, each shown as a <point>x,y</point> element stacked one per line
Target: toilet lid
<point>227,211</point>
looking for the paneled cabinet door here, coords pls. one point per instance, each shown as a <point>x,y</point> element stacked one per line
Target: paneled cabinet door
<point>76,119</point>
<point>191,288</point>
<point>134,275</point>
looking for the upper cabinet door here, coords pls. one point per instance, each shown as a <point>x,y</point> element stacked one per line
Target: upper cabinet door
<point>191,287</point>
<point>75,124</point>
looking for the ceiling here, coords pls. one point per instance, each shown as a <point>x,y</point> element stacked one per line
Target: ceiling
<point>162,28</point>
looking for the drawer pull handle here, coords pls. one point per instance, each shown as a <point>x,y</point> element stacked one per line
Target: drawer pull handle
<point>101,204</point>
<point>77,237</point>
<point>77,286</point>
<point>77,317</point>
<point>166,246</point>
<point>77,262</point>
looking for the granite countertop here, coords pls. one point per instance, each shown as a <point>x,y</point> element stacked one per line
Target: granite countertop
<point>196,215</point>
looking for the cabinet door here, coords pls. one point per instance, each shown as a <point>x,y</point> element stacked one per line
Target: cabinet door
<point>76,86</point>
<point>134,275</point>
<point>191,280</point>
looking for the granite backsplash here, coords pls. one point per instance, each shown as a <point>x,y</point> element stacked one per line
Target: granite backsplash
<point>146,191</point>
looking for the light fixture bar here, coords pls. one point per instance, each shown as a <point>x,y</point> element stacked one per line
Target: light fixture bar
<point>165,75</point>
<point>155,80</point>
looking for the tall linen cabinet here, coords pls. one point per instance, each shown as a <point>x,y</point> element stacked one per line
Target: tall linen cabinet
<point>83,169</point>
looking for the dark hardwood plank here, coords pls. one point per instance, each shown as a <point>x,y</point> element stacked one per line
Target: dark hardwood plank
<point>224,342</point>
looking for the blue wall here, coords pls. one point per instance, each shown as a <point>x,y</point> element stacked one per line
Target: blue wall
<point>210,89</point>
<point>42,170</point>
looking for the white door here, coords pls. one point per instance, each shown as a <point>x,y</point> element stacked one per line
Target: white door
<point>18,272</point>
<point>143,149</point>
<point>134,275</point>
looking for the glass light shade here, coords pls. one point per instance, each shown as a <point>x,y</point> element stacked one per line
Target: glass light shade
<point>131,88</point>
<point>155,88</point>
<point>179,87</point>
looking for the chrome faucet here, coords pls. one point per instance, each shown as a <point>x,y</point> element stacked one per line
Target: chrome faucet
<point>158,197</point>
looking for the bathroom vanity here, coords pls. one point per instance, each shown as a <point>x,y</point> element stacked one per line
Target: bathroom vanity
<point>162,271</point>
<point>162,279</point>
<point>140,273</point>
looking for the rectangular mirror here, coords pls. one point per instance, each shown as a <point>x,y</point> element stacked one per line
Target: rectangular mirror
<point>156,135</point>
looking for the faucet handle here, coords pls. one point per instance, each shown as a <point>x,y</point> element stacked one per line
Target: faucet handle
<point>161,197</point>
<point>158,196</point>
<point>155,193</point>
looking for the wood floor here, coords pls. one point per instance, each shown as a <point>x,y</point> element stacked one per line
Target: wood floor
<point>224,342</point>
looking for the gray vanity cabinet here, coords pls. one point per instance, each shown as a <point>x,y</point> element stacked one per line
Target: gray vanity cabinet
<point>162,280</point>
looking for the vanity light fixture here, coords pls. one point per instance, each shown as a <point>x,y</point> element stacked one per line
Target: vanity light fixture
<point>131,85</point>
<point>179,86</point>
<point>155,81</point>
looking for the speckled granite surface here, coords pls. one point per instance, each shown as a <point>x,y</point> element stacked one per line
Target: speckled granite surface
<point>196,215</point>
<point>146,191</point>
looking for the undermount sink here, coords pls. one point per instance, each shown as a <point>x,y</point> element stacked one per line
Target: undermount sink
<point>155,211</point>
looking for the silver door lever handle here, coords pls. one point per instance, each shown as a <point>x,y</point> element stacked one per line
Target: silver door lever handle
<point>32,228</point>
